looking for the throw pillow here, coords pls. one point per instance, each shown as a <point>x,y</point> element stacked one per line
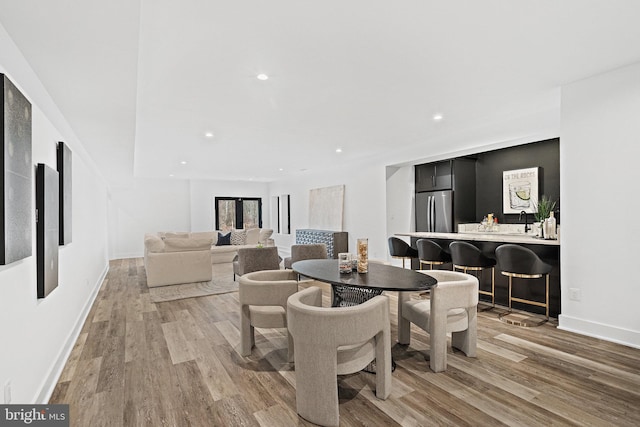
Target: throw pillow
<point>223,239</point>
<point>238,237</point>
<point>265,233</point>
<point>253,236</point>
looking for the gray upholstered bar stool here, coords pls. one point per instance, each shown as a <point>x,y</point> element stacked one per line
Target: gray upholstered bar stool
<point>467,257</point>
<point>522,263</point>
<point>398,248</point>
<point>431,253</point>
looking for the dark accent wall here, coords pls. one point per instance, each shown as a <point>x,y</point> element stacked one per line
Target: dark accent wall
<point>491,164</point>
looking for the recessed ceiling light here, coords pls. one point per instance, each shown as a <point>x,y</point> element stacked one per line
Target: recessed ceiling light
<point>184,162</point>
<point>281,169</point>
<point>338,150</point>
<point>171,175</point>
<point>209,134</point>
<point>262,76</point>
<point>437,117</point>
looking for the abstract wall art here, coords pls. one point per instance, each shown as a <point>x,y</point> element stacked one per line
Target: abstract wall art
<point>326,206</point>
<point>64,178</point>
<point>16,200</point>
<point>47,229</point>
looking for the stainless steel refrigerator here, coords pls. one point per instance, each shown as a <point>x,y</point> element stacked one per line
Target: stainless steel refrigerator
<point>434,211</point>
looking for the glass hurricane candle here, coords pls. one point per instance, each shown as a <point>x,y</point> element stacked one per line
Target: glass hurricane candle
<point>363,255</point>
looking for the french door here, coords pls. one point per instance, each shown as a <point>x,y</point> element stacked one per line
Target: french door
<point>238,213</point>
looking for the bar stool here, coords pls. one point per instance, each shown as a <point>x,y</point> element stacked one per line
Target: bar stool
<point>467,257</point>
<point>398,248</point>
<point>431,253</point>
<point>522,263</point>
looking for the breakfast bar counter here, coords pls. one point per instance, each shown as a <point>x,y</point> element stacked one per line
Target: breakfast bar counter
<point>487,242</point>
<point>518,238</point>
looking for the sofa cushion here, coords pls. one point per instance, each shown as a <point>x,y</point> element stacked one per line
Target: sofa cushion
<point>238,237</point>
<point>154,244</point>
<point>176,235</point>
<point>223,239</point>
<point>213,235</point>
<point>180,244</point>
<point>253,236</point>
<point>265,233</point>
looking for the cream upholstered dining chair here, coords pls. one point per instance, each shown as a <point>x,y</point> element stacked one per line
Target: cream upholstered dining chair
<point>263,304</point>
<point>333,341</point>
<point>302,252</point>
<point>451,308</point>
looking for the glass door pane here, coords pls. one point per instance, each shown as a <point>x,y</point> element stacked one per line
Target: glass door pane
<point>250,214</point>
<point>226,215</point>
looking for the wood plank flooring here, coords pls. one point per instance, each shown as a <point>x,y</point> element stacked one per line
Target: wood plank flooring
<point>176,363</point>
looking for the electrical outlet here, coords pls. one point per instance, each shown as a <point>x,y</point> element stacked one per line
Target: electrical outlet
<point>7,392</point>
<point>575,294</point>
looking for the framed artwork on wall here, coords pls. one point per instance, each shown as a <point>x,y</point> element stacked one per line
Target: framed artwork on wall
<point>47,229</point>
<point>16,197</point>
<point>64,178</point>
<point>326,207</point>
<point>284,214</point>
<point>520,190</point>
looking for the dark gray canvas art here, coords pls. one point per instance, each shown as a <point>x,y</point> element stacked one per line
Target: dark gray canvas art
<point>47,225</point>
<point>64,177</point>
<point>16,205</point>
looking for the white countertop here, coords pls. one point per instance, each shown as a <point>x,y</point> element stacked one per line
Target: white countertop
<point>487,237</point>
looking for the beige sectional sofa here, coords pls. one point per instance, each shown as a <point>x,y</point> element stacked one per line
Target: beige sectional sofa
<point>173,258</point>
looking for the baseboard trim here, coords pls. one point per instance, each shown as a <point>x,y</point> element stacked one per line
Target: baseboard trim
<point>599,330</point>
<point>127,255</point>
<point>49,384</point>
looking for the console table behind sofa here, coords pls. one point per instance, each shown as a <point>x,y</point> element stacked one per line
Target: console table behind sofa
<point>336,241</point>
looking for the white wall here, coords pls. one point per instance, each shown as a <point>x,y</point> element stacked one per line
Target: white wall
<point>149,205</point>
<point>364,204</point>
<point>599,155</point>
<point>400,202</point>
<point>37,334</point>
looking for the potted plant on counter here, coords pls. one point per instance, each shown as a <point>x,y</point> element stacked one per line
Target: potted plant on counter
<point>541,211</point>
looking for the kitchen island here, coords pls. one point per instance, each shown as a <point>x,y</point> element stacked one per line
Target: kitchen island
<point>487,242</point>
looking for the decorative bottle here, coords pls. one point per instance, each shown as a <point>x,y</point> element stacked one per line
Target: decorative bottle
<point>550,225</point>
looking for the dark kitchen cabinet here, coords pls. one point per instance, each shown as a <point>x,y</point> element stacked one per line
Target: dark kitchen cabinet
<point>433,176</point>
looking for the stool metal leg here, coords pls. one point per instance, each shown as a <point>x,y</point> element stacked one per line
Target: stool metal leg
<point>510,285</point>
<point>493,286</point>
<point>547,295</point>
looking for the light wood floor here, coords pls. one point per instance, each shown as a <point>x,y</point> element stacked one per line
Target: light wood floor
<point>176,364</point>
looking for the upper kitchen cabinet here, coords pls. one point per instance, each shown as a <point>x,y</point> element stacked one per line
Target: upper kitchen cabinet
<point>433,176</point>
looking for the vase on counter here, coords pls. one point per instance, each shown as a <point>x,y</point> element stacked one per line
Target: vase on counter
<point>536,229</point>
<point>363,255</point>
<point>550,227</point>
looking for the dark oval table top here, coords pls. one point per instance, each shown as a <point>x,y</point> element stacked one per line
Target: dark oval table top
<point>380,276</point>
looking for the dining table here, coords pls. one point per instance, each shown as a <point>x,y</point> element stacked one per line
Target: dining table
<point>353,288</point>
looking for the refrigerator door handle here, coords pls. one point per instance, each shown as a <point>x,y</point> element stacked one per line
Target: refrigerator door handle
<point>428,213</point>
<point>431,222</point>
<point>433,213</point>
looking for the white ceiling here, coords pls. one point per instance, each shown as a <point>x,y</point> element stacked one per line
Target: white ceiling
<point>141,81</point>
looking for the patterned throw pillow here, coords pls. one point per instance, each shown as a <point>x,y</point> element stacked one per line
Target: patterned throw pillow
<point>238,237</point>
<point>223,239</point>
